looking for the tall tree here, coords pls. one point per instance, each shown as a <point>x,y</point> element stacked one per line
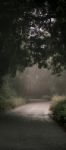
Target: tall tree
<point>32,32</point>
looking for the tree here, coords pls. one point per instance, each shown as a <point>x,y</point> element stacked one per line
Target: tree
<point>32,32</point>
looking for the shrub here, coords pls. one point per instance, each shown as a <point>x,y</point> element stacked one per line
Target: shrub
<point>8,96</point>
<point>6,104</point>
<point>55,99</point>
<point>59,112</point>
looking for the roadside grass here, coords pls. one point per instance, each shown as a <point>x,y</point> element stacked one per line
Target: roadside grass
<point>6,104</point>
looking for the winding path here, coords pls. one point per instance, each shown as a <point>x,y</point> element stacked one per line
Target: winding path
<point>30,128</point>
<point>34,110</point>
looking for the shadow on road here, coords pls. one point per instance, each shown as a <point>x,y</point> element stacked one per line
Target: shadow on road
<point>19,133</point>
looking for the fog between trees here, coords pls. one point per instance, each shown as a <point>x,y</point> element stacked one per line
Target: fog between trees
<point>37,83</point>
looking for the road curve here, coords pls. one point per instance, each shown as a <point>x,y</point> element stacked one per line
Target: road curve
<point>23,129</point>
<point>35,110</point>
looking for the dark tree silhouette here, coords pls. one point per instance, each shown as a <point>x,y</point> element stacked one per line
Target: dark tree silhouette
<point>32,32</point>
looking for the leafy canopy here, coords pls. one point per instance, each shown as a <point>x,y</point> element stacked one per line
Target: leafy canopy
<point>32,32</point>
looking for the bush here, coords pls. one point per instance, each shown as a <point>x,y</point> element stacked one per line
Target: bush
<point>8,96</point>
<point>6,104</point>
<point>55,100</point>
<point>59,112</point>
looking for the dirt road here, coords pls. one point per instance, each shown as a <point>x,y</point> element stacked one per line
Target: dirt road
<point>35,110</point>
<point>30,128</point>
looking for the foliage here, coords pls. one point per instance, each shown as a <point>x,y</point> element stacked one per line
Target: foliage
<point>8,96</point>
<point>59,112</point>
<point>34,32</point>
<point>6,104</point>
<point>56,99</point>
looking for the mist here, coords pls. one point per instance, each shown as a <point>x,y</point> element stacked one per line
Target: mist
<point>39,83</point>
